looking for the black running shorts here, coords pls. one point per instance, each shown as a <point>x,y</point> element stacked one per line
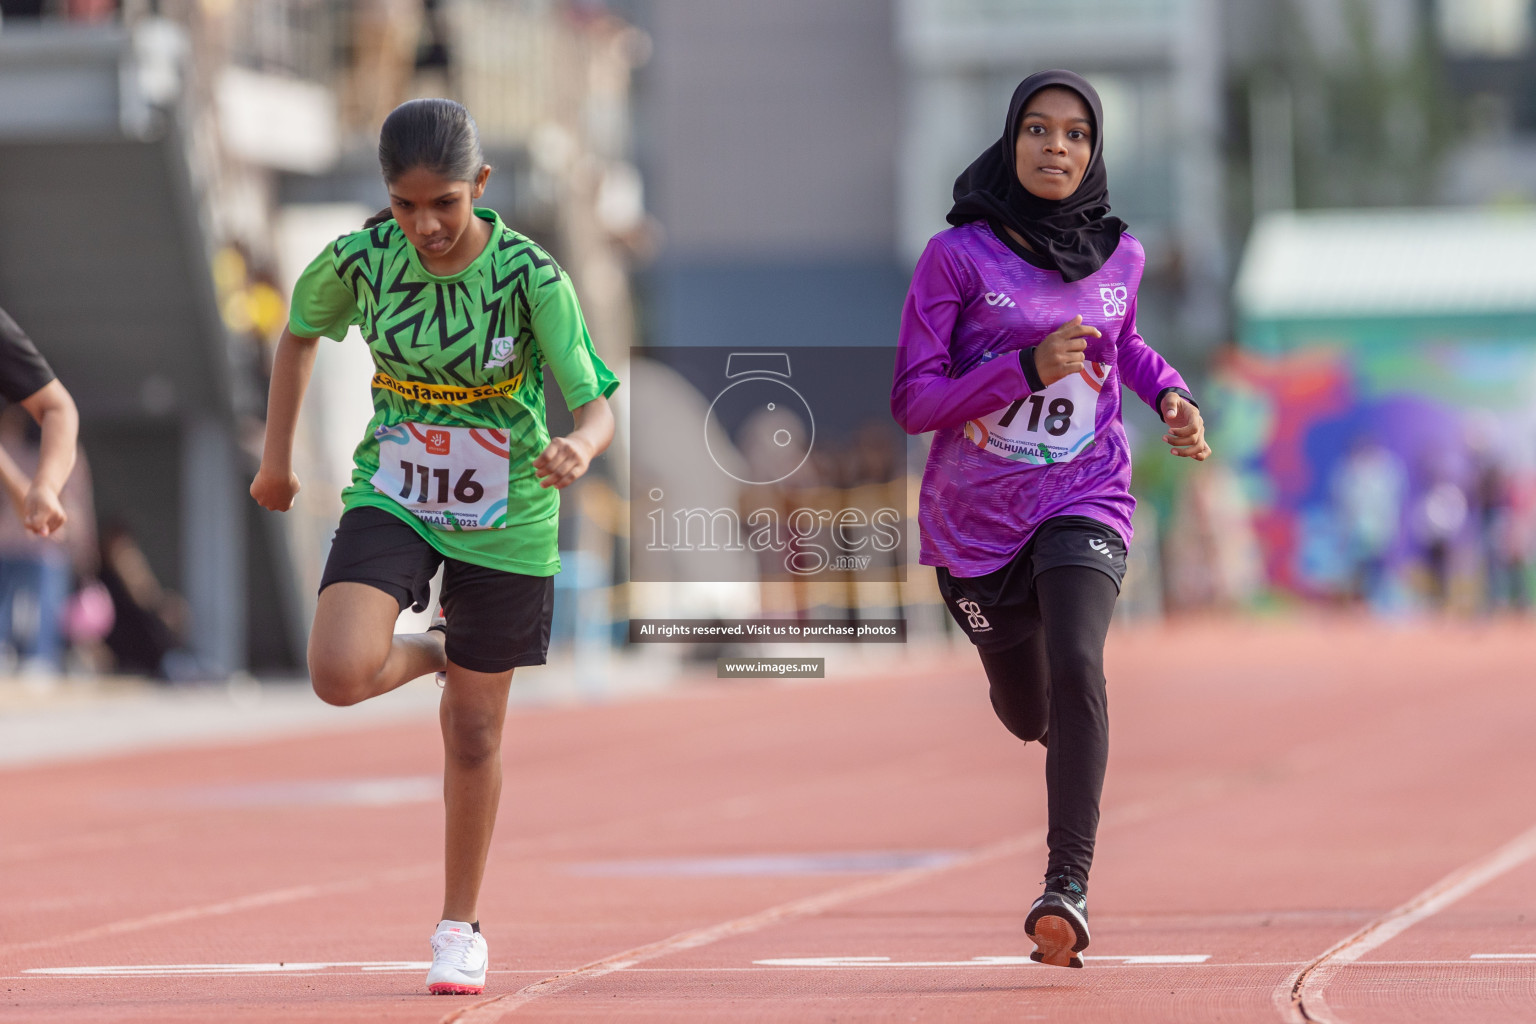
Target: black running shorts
<point>1000,609</point>
<point>496,620</point>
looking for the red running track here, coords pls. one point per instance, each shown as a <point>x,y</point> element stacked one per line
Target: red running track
<point>1325,823</point>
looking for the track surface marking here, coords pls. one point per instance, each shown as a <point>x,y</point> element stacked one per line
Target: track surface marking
<point>1272,790</point>
<point>495,1009</point>
<point>1303,998</point>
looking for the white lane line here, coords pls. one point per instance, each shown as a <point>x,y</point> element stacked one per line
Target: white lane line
<point>213,970</point>
<point>330,971</point>
<point>491,1011</point>
<point>1109,963</point>
<point>976,961</point>
<point>1300,998</point>
<point>271,897</point>
<point>1502,956</point>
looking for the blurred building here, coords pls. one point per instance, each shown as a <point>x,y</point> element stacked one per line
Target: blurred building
<point>1342,103</point>
<point>799,154</point>
<point>115,197</point>
<point>1386,324</point>
<point>167,168</point>
<point>1490,59</point>
<point>768,135</point>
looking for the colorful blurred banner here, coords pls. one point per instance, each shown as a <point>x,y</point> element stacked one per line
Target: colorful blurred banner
<point>1382,405</point>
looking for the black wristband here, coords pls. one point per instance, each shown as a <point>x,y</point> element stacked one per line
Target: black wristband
<point>1032,372</point>
<point>1177,391</point>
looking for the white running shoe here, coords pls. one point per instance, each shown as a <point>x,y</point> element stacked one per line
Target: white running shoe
<point>459,959</point>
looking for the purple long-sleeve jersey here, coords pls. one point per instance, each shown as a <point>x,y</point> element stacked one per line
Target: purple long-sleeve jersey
<point>1003,459</point>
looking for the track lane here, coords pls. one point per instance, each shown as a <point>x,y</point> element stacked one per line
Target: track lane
<point>1299,765</point>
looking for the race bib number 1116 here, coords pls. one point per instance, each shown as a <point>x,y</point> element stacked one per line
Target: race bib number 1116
<point>451,478</point>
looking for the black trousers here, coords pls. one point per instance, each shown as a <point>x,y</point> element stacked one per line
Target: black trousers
<point>1050,687</point>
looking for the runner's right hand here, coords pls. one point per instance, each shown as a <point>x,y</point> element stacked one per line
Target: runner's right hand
<point>275,491</point>
<point>43,512</point>
<point>1061,353</point>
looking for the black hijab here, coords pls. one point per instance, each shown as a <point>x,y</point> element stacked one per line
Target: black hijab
<point>1074,235</point>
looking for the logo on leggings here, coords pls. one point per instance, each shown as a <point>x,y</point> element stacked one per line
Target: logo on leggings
<point>977,621</point>
<point>1102,547</point>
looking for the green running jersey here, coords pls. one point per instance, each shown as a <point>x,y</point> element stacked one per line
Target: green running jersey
<point>458,388</point>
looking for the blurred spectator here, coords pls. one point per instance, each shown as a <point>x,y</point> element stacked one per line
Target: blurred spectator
<point>385,35</point>
<point>87,620</point>
<point>1439,515</point>
<point>1213,552</point>
<point>1369,490</point>
<point>1514,542</point>
<point>148,620</point>
<point>90,10</point>
<point>1491,501</point>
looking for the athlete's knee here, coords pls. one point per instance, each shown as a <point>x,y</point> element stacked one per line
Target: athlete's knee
<point>1017,679</point>
<point>1079,659</point>
<point>338,681</point>
<point>1026,719</point>
<point>472,736</point>
<point>340,692</point>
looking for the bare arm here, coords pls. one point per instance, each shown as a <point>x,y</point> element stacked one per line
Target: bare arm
<point>54,410</point>
<point>568,457</point>
<point>276,485</point>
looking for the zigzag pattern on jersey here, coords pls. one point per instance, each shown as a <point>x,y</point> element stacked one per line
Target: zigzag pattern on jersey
<point>442,334</point>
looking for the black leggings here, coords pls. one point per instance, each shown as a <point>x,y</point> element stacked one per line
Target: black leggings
<point>1050,687</point>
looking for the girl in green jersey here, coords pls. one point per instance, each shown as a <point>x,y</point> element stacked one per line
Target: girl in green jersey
<point>457,468</point>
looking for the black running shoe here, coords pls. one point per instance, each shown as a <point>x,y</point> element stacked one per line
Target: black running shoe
<point>1058,922</point>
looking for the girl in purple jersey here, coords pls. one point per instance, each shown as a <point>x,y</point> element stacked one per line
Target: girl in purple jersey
<point>1017,334</point>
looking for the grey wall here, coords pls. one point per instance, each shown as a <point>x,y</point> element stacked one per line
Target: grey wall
<point>767,133</point>
<point>772,126</point>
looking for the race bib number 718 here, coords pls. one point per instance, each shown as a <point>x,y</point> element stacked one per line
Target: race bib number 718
<point>1047,427</point>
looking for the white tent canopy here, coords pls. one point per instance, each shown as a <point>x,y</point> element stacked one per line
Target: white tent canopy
<point>1397,262</point>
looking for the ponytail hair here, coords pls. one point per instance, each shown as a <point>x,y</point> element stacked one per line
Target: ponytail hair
<point>436,134</point>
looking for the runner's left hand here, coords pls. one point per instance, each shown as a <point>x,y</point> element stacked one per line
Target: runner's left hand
<point>1186,428</point>
<point>563,461</point>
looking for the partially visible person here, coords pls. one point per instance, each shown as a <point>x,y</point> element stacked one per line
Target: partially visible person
<point>27,380</point>
<point>34,576</point>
